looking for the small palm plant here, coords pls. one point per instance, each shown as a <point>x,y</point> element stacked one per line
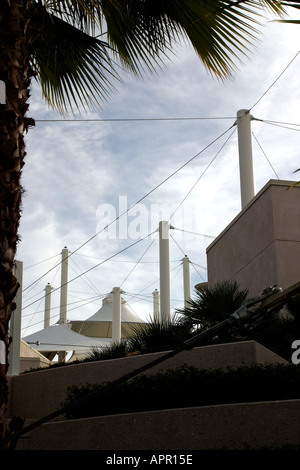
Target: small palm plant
<point>214,304</point>
<point>148,337</point>
<point>156,336</point>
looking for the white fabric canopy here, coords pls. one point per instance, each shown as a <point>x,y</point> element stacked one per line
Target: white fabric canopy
<point>60,337</point>
<point>100,324</point>
<point>105,313</point>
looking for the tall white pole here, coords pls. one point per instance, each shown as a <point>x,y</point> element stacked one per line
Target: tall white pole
<point>15,324</point>
<point>186,280</point>
<point>164,267</point>
<point>2,92</point>
<point>64,285</point>
<point>155,305</point>
<point>245,156</point>
<point>116,320</point>
<point>47,314</point>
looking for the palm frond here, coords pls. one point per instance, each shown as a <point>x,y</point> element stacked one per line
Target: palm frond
<point>297,183</point>
<point>74,68</point>
<point>144,30</point>
<point>214,304</point>
<point>143,33</point>
<point>293,4</point>
<point>84,14</point>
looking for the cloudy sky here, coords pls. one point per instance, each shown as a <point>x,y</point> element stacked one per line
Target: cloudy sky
<point>163,146</point>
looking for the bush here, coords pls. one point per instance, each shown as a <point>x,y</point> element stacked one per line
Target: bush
<point>186,387</point>
<point>146,338</point>
<point>112,352</point>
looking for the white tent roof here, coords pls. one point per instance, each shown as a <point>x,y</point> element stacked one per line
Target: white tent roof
<point>60,337</point>
<point>99,325</point>
<point>105,313</point>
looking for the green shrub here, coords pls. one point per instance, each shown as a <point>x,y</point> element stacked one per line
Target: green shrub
<point>186,387</point>
<point>145,338</point>
<point>112,352</point>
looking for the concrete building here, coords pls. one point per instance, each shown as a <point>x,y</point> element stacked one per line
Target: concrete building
<point>261,246</point>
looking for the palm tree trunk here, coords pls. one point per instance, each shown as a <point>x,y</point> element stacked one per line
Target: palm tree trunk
<point>16,40</point>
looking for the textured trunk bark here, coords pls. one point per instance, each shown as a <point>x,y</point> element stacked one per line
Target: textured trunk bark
<point>16,43</point>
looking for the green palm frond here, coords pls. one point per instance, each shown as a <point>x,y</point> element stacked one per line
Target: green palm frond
<point>293,4</point>
<point>73,68</point>
<point>143,30</point>
<point>214,304</point>
<point>297,183</point>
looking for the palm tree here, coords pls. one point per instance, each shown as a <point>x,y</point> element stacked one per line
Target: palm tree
<point>213,304</point>
<point>75,50</point>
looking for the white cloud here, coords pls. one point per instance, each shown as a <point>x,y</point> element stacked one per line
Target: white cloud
<point>73,168</point>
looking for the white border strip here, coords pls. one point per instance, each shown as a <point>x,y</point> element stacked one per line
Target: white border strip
<point>2,353</point>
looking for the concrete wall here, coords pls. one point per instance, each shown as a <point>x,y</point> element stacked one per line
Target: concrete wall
<point>232,427</point>
<point>30,358</point>
<point>36,394</point>
<point>261,246</point>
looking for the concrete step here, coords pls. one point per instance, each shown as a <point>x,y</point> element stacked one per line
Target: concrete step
<point>222,427</point>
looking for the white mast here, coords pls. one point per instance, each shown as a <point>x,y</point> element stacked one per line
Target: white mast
<point>2,92</point>
<point>245,156</point>
<point>155,305</point>
<point>186,280</point>
<point>47,314</point>
<point>15,324</point>
<point>164,266</point>
<point>116,320</point>
<point>64,285</point>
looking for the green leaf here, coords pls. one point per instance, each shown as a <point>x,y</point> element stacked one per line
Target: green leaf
<point>74,68</point>
<point>77,69</point>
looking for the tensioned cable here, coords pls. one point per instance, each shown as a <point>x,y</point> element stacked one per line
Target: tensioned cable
<point>199,266</point>
<point>176,273</point>
<point>39,300</point>
<point>177,244</point>
<point>90,299</point>
<point>88,282</point>
<point>139,297</point>
<point>275,81</point>
<point>86,302</point>
<point>273,123</point>
<point>154,282</point>
<point>265,155</point>
<point>269,121</point>
<point>157,186</point>
<point>95,266</point>
<point>56,344</point>
<point>147,249</point>
<point>30,325</point>
<point>30,286</point>
<point>202,174</point>
<point>135,119</point>
<point>137,202</point>
<point>122,260</point>
<point>199,274</point>
<point>40,262</point>
<point>128,261</point>
<point>195,233</point>
<point>185,255</point>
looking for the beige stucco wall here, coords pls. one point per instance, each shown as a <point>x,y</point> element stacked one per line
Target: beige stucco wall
<point>241,426</point>
<point>37,394</point>
<point>261,246</point>
<point>30,358</point>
